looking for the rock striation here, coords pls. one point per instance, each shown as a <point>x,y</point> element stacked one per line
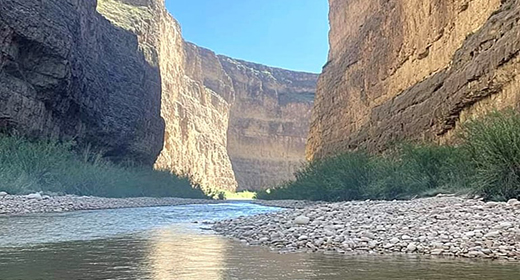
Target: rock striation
<point>196,117</point>
<point>269,122</point>
<point>227,121</point>
<point>412,69</point>
<point>117,74</point>
<point>66,72</point>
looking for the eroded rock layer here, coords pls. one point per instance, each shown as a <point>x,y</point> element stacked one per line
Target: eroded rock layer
<point>412,69</point>
<point>225,118</point>
<point>66,72</point>
<point>196,117</point>
<point>269,122</point>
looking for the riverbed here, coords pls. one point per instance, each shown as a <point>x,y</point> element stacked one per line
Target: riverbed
<point>176,242</point>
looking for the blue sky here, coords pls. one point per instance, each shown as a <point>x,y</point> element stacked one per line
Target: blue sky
<point>291,34</point>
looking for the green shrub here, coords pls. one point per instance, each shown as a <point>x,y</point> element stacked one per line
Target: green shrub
<point>493,145</point>
<point>51,166</point>
<point>486,162</point>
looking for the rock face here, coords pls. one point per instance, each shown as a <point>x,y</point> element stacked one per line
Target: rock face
<point>412,69</point>
<point>225,118</point>
<point>269,122</point>
<point>196,117</point>
<point>125,81</point>
<point>66,72</point>
<point>269,114</point>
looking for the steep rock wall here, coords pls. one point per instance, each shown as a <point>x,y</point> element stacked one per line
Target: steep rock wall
<point>269,122</point>
<point>66,72</point>
<point>412,69</point>
<point>224,118</point>
<point>196,117</point>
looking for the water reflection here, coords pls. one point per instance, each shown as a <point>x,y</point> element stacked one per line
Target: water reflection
<point>177,255</point>
<point>164,245</point>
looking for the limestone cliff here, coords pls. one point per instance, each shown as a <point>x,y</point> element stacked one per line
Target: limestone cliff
<point>217,108</point>
<point>269,122</point>
<point>124,80</point>
<point>196,117</point>
<point>412,69</point>
<point>66,72</point>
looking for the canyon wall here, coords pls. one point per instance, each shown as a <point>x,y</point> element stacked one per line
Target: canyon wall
<point>196,117</point>
<point>227,121</point>
<point>66,72</point>
<point>269,122</point>
<point>412,70</point>
<point>117,74</point>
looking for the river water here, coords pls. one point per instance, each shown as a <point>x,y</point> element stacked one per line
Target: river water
<point>164,243</point>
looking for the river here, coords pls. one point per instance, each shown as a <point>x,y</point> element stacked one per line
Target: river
<point>164,243</point>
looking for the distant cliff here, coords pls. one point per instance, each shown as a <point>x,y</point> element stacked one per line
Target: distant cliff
<point>269,122</point>
<point>412,70</point>
<point>66,72</point>
<point>226,120</point>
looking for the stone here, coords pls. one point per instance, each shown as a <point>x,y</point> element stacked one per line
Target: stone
<point>437,252</point>
<point>411,248</point>
<point>3,194</point>
<point>394,240</point>
<point>513,201</point>
<point>505,225</point>
<point>35,196</point>
<point>492,234</point>
<point>302,220</point>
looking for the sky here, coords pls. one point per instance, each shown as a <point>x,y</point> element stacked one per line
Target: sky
<point>291,34</point>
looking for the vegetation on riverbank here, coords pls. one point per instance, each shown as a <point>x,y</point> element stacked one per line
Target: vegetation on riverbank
<point>50,166</point>
<point>485,161</point>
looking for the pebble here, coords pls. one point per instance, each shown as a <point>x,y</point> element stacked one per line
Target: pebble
<point>36,196</point>
<point>444,226</point>
<point>302,220</point>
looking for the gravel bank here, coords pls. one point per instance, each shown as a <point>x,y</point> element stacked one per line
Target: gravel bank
<point>36,203</point>
<point>292,204</point>
<point>447,226</point>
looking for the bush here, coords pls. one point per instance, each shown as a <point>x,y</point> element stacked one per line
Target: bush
<point>407,171</point>
<point>51,166</point>
<point>486,162</point>
<point>493,146</point>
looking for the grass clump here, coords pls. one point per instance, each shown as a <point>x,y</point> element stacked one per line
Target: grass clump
<point>493,145</point>
<point>485,162</point>
<point>50,166</point>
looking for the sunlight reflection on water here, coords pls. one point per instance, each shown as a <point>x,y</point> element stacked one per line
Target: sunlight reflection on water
<point>163,243</point>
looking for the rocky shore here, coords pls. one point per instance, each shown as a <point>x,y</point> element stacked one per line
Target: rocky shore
<point>37,203</point>
<point>442,226</point>
<point>290,204</point>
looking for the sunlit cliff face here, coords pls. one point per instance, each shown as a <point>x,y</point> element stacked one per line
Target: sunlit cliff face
<point>229,123</point>
<point>196,117</point>
<point>411,69</point>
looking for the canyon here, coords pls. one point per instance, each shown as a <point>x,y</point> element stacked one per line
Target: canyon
<point>412,70</point>
<point>117,75</point>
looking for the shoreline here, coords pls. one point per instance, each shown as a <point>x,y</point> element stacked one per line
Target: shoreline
<point>12,205</point>
<point>439,226</point>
